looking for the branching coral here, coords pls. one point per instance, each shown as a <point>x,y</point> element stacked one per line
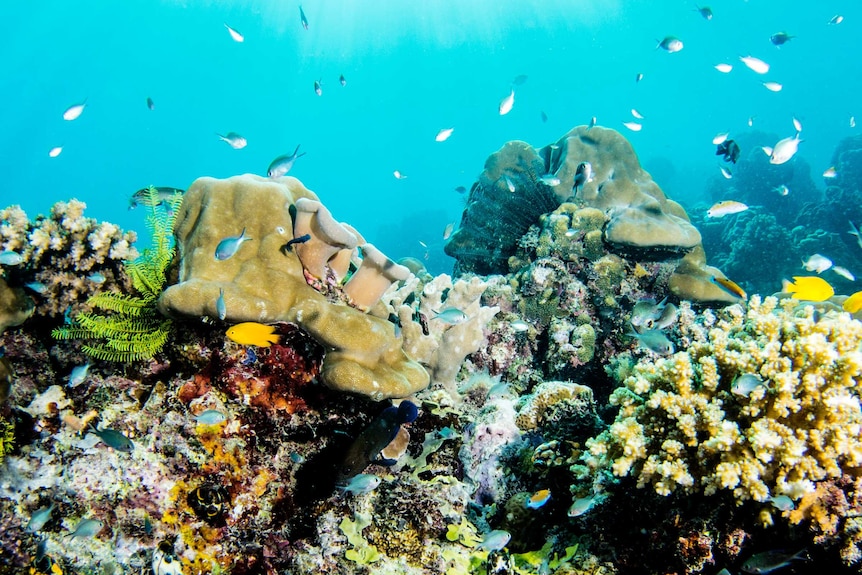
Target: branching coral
<point>134,329</point>
<point>66,256</point>
<point>680,427</point>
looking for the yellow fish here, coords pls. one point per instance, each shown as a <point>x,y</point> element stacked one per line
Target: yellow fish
<point>253,333</point>
<point>809,288</point>
<point>853,303</point>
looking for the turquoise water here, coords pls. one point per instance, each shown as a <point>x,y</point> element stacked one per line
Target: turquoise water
<point>412,68</point>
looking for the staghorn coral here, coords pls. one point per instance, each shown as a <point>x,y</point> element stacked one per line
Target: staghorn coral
<point>63,254</point>
<point>681,428</point>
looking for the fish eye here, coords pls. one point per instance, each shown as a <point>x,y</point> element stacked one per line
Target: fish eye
<point>280,230</point>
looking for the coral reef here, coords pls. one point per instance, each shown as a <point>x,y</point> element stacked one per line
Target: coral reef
<point>266,282</point>
<point>65,256</point>
<point>134,329</point>
<point>507,199</point>
<point>620,210</point>
<point>436,343</point>
<point>683,424</point>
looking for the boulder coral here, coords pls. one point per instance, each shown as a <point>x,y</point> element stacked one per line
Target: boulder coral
<point>686,423</point>
<point>265,281</point>
<point>619,210</point>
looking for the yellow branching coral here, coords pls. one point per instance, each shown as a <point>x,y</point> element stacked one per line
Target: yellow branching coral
<point>688,423</point>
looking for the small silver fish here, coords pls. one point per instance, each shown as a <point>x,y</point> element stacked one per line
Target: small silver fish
<point>234,140</point>
<point>770,561</point>
<point>509,183</point>
<point>646,312</point>
<point>37,287</point>
<point>229,246</point>
<point>745,384</point>
<point>79,375</point>
<point>164,194</point>
<point>655,341</point>
<point>581,506</point>
<point>40,518</point>
<point>236,36</point>
<point>583,175</point>
<point>550,180</point>
<point>97,277</point>
<point>844,273</point>
<point>221,310</point>
<point>281,165</point>
<point>671,44</point>
<point>782,502</point>
<point>854,231</point>
<point>86,528</point>
<point>114,439</point>
<point>519,325</point>
<point>451,315</point>
<point>507,103</point>
<point>817,263</point>
<point>10,258</point>
<point>495,540</point>
<point>781,190</point>
<point>73,112</point>
<point>668,317</point>
<point>447,231</point>
<point>210,417</point>
<point>361,484</point>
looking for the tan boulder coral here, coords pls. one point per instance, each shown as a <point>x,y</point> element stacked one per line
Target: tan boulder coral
<point>641,216</point>
<point>264,281</point>
<point>619,209</point>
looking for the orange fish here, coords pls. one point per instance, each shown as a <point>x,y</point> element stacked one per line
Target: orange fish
<point>730,287</point>
<point>538,498</point>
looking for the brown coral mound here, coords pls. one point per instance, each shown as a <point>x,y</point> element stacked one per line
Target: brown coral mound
<point>264,282</point>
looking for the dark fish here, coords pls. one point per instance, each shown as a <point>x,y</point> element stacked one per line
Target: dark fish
<point>638,78</point>
<point>704,11</point>
<point>371,440</point>
<point>460,189</point>
<point>288,247</point>
<point>150,104</point>
<point>544,116</point>
<point>729,149</point>
<point>342,80</point>
<point>163,193</point>
<point>670,43</point>
<point>583,175</point>
<point>520,79</point>
<point>780,38</point>
<point>302,19</point>
<point>770,561</point>
<point>318,89</point>
<point>282,164</point>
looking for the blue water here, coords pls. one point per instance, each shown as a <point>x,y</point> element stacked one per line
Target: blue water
<point>412,68</point>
